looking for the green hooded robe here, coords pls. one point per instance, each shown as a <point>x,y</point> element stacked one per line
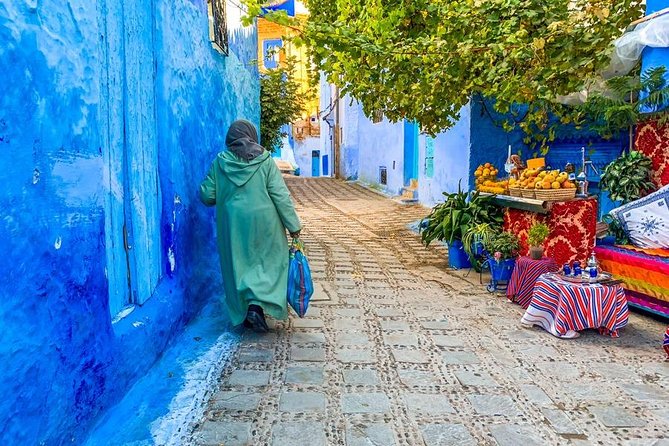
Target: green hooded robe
<point>253,211</point>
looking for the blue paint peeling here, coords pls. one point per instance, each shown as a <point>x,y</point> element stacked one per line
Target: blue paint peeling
<point>63,361</point>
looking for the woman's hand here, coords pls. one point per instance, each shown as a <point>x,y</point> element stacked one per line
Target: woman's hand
<point>295,234</point>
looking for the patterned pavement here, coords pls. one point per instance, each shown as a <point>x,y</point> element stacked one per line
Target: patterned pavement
<point>399,350</point>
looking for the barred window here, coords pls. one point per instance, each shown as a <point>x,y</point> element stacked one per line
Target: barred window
<point>218,26</point>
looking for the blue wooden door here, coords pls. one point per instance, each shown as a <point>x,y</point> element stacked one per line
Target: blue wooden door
<point>315,163</point>
<point>410,152</point>
<point>113,153</point>
<point>143,202</point>
<point>130,154</point>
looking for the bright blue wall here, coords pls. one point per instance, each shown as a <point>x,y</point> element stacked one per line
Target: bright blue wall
<point>489,141</point>
<point>655,57</point>
<point>63,361</point>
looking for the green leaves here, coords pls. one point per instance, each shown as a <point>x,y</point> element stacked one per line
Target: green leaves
<point>422,60</point>
<point>628,178</point>
<point>453,218</point>
<point>280,103</point>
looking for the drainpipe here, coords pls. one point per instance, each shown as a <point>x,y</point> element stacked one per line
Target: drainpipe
<point>336,137</point>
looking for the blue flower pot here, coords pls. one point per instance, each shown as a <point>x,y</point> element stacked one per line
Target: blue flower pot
<point>478,248</point>
<point>457,257</point>
<point>609,240</point>
<point>501,271</point>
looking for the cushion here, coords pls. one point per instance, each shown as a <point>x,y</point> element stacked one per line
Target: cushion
<point>646,221</point>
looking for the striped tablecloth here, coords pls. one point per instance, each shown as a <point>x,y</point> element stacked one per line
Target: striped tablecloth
<point>563,308</point>
<point>525,276</point>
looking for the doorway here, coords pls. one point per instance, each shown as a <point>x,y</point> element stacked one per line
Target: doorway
<point>410,152</point>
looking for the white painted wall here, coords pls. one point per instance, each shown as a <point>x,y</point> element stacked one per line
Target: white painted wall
<point>302,150</point>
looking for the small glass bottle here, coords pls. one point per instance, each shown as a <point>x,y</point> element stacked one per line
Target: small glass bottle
<point>593,267</point>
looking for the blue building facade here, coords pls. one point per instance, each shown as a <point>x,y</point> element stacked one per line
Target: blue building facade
<point>110,115</point>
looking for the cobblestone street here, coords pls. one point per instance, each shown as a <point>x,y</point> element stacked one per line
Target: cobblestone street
<point>399,350</point>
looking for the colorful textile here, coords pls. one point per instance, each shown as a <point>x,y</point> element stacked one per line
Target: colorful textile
<point>572,229</point>
<point>562,308</point>
<point>653,141</point>
<point>666,342</point>
<point>525,276</point>
<point>646,275</point>
<point>657,252</point>
<point>646,220</point>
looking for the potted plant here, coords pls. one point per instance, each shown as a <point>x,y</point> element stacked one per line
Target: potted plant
<point>502,250</point>
<point>536,237</point>
<point>475,239</point>
<point>449,222</point>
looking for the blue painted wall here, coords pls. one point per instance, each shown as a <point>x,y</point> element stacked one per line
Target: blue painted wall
<point>655,57</point>
<point>489,141</point>
<point>63,360</point>
<point>451,161</point>
<point>380,144</point>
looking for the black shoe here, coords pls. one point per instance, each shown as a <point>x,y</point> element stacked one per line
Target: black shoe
<point>256,319</point>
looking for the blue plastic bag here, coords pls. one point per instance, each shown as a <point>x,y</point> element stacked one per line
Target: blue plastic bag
<point>300,285</point>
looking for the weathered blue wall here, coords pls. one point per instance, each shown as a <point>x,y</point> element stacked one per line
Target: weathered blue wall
<point>451,161</point>
<point>380,144</point>
<point>63,361</point>
<point>489,141</point>
<point>349,162</point>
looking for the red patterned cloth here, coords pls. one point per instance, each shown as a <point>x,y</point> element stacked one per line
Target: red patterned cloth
<point>572,229</point>
<point>666,342</point>
<point>562,308</point>
<point>525,276</point>
<point>653,141</point>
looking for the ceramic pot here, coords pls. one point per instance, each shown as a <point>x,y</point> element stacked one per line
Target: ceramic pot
<point>536,252</point>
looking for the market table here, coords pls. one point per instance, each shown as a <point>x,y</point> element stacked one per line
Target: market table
<point>571,224</point>
<point>525,276</point>
<point>562,308</point>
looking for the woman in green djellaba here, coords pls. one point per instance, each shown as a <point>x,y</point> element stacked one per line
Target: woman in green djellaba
<point>253,212</point>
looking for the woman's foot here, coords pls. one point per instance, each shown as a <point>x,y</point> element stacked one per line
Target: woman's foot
<point>255,318</point>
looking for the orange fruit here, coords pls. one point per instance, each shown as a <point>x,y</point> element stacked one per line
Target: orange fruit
<point>546,185</point>
<point>556,185</point>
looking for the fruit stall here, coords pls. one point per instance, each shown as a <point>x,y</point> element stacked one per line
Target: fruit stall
<point>540,195</point>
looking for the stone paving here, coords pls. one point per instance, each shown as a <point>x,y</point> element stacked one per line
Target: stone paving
<point>399,350</point>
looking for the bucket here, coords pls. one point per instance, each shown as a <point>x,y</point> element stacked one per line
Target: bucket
<point>457,257</point>
<point>501,272</point>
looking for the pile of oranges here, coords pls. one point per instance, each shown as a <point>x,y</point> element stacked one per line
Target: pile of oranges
<point>486,180</point>
<point>542,179</point>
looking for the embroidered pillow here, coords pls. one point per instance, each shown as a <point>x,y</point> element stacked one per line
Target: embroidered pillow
<point>646,220</point>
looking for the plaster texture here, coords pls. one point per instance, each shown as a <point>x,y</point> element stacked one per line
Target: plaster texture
<point>111,111</point>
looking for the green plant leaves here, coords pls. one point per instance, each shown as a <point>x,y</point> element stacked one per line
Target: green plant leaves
<point>453,218</point>
<point>628,178</point>
<point>281,103</point>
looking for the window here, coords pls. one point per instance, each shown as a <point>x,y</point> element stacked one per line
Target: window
<point>271,51</point>
<point>218,26</point>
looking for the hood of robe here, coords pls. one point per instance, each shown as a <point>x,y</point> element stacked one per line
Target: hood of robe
<point>237,170</point>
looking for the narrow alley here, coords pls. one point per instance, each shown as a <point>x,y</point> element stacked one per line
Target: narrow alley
<point>398,349</point>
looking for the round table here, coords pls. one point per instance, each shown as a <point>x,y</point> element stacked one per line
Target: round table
<point>563,308</point>
<point>524,277</point>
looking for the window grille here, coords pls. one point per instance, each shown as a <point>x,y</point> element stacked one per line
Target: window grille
<point>383,175</point>
<point>218,25</point>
